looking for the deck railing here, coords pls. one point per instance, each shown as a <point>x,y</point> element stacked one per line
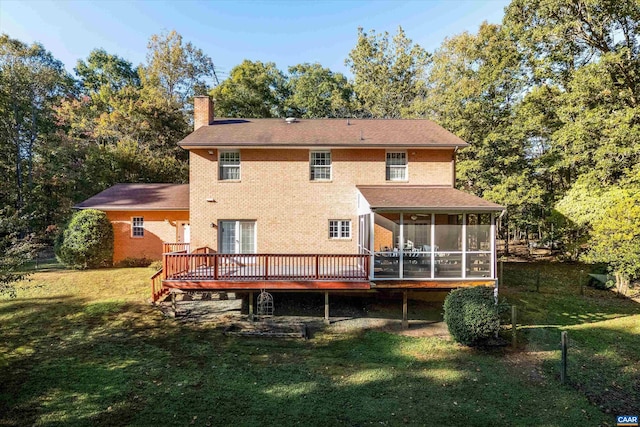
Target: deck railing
<point>175,247</point>
<point>157,290</point>
<point>200,265</point>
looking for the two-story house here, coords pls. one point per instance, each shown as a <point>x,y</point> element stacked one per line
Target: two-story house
<point>314,205</point>
<point>328,204</point>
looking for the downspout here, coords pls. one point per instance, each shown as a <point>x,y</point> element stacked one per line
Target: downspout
<point>453,167</point>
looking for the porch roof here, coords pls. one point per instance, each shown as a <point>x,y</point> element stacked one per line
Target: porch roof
<point>429,198</point>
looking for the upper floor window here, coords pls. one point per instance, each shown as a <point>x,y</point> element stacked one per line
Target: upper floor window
<point>229,165</point>
<point>397,166</point>
<point>137,226</point>
<point>320,166</point>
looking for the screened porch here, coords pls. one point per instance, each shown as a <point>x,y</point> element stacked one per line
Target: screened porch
<point>429,245</point>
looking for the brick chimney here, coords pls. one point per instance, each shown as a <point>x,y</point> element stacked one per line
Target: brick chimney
<point>203,108</point>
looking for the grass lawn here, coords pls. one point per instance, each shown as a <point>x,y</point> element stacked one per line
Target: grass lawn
<point>85,348</point>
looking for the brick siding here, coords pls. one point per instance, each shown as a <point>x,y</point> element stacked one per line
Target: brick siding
<point>291,212</point>
<point>156,231</point>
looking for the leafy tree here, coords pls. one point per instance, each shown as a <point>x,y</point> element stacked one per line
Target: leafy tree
<point>179,70</point>
<point>615,239</point>
<point>102,70</point>
<point>474,87</point>
<point>253,90</point>
<point>16,249</point>
<point>318,92</point>
<point>87,241</point>
<point>31,82</point>
<point>388,74</point>
<point>583,72</point>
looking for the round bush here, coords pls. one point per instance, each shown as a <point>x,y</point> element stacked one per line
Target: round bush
<point>87,241</point>
<point>471,315</point>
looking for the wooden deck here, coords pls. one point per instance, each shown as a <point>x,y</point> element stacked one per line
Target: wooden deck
<point>205,270</point>
<point>271,285</point>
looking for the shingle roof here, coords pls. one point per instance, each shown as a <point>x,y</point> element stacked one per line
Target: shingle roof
<point>424,197</point>
<point>127,197</point>
<point>322,133</point>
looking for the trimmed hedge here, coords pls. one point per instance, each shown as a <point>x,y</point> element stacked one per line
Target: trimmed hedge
<point>471,315</point>
<point>87,241</point>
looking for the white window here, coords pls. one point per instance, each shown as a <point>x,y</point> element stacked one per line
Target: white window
<point>397,166</point>
<point>229,165</point>
<point>339,229</point>
<point>320,165</point>
<point>137,226</point>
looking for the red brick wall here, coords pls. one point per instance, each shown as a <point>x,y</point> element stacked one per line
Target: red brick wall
<point>156,231</point>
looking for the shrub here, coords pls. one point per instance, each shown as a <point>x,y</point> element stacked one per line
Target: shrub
<point>156,265</point>
<point>87,241</point>
<point>471,315</point>
<point>135,262</point>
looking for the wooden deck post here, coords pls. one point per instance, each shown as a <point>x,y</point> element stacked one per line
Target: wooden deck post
<point>514,326</point>
<point>563,360</point>
<point>326,308</point>
<point>250,305</point>
<point>405,317</point>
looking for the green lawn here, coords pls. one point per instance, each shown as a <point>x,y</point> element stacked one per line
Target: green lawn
<point>85,348</point>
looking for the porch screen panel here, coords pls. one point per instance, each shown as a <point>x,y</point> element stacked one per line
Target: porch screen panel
<point>417,246</point>
<point>448,246</point>
<point>387,246</point>
<point>478,261</point>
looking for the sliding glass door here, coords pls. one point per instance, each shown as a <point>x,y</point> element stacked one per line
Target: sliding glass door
<point>237,237</point>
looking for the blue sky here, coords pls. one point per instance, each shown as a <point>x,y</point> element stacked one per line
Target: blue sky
<point>284,32</point>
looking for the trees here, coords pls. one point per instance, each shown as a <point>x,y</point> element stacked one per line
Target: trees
<point>253,90</point>
<point>179,70</point>
<point>102,70</point>
<point>16,249</point>
<point>615,238</point>
<point>31,82</point>
<point>388,74</point>
<point>318,92</point>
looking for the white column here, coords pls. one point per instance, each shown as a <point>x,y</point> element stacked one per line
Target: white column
<point>433,245</point>
<point>494,261</point>
<point>464,245</point>
<point>401,244</point>
<point>372,221</point>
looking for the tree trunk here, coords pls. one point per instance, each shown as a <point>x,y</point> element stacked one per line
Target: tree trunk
<point>622,283</point>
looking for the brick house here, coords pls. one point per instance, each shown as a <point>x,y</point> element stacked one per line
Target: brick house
<point>143,217</point>
<point>328,204</point>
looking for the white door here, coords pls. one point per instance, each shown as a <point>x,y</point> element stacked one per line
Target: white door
<point>237,237</point>
<point>184,232</point>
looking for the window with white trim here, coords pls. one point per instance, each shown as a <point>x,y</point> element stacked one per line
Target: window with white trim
<point>320,165</point>
<point>339,229</point>
<point>397,166</point>
<point>229,165</point>
<point>137,226</point>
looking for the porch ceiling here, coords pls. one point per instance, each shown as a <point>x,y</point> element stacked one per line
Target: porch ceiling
<point>406,197</point>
